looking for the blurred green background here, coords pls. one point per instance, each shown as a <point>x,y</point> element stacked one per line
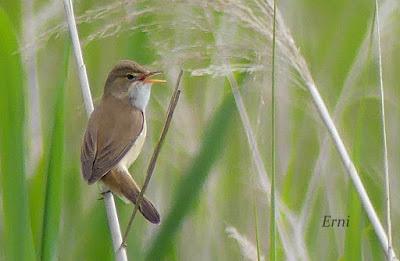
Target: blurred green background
<point>212,200</point>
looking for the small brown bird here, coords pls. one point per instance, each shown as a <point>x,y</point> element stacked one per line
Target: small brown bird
<point>116,132</point>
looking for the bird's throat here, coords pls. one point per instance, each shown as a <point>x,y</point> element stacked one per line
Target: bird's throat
<point>139,96</point>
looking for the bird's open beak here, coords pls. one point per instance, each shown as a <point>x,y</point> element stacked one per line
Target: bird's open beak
<point>151,74</point>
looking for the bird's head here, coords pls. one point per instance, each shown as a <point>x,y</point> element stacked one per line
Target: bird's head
<point>129,79</point>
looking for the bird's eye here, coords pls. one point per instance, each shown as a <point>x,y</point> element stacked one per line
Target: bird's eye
<point>130,77</point>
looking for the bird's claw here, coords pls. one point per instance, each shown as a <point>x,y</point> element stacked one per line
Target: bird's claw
<point>103,193</point>
<point>123,245</point>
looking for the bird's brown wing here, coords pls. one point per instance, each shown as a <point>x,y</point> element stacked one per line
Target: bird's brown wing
<point>112,130</point>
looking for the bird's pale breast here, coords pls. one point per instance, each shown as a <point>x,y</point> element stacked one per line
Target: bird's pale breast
<point>134,152</point>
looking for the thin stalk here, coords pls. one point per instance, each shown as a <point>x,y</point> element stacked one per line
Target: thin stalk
<point>320,163</point>
<point>171,108</point>
<point>350,168</point>
<point>385,152</point>
<point>113,223</point>
<point>83,79</point>
<point>256,228</point>
<point>272,249</point>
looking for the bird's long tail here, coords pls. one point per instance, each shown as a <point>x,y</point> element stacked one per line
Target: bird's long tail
<point>121,183</point>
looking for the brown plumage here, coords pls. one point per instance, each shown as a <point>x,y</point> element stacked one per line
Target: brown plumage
<point>123,185</point>
<point>116,132</point>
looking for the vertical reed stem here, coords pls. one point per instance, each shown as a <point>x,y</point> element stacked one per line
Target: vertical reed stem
<point>273,144</point>
<point>390,256</point>
<point>113,223</point>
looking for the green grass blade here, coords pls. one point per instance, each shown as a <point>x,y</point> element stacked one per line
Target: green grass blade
<point>13,9</point>
<point>189,189</point>
<point>17,232</point>
<point>54,182</point>
<point>36,190</point>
